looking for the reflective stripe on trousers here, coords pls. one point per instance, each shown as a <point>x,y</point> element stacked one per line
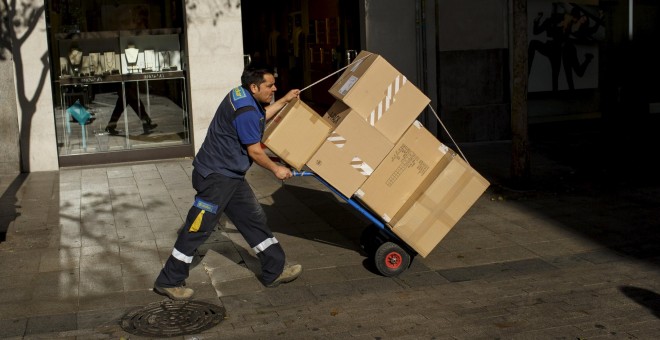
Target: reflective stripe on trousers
<point>236,199</point>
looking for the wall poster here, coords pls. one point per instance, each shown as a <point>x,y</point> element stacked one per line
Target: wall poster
<point>563,44</point>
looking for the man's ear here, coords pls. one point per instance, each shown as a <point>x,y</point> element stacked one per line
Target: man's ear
<point>254,88</point>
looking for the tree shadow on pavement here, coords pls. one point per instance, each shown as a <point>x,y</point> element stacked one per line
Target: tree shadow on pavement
<point>9,203</point>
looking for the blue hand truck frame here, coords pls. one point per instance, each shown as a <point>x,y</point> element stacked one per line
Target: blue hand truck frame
<point>390,255</point>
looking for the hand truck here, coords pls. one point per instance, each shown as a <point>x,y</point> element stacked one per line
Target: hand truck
<point>391,255</point>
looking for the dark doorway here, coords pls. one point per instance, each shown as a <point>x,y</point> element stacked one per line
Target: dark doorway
<point>304,40</point>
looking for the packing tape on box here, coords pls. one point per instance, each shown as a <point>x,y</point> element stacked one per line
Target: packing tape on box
<point>384,105</point>
<point>441,214</point>
<point>314,118</point>
<point>362,167</point>
<point>436,170</point>
<point>284,153</point>
<point>461,192</point>
<point>357,63</point>
<point>337,140</point>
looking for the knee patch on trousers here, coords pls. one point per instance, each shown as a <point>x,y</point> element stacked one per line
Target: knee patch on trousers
<point>203,207</point>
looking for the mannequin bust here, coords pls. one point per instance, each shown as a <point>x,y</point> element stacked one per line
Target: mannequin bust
<point>75,56</point>
<point>93,63</point>
<point>109,58</point>
<point>131,54</point>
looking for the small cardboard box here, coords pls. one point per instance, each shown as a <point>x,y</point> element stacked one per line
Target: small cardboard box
<point>380,94</point>
<point>295,133</point>
<point>352,151</point>
<point>444,202</point>
<point>417,157</point>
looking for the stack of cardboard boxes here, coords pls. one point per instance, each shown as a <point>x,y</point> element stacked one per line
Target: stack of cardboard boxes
<point>370,147</point>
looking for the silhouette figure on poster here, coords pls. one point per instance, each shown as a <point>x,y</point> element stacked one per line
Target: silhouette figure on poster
<point>563,30</point>
<point>581,31</point>
<point>551,48</point>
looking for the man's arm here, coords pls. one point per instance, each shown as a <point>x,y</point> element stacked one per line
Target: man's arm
<point>260,157</point>
<point>275,107</point>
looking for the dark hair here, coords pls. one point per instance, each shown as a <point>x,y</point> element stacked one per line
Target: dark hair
<point>254,74</point>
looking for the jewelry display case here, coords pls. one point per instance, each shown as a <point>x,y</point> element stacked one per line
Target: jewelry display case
<point>132,84</point>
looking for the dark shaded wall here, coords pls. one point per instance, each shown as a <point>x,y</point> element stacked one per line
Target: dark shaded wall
<point>403,33</point>
<point>634,64</point>
<point>475,95</point>
<point>473,76</point>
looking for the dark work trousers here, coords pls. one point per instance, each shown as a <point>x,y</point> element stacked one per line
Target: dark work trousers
<point>235,198</point>
<point>132,101</point>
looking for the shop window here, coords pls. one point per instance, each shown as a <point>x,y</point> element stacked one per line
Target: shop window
<point>119,75</point>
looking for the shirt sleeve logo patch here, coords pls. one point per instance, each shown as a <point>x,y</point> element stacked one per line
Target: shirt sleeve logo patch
<point>238,93</point>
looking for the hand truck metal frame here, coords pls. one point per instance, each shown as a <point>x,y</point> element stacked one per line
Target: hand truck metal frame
<point>390,255</point>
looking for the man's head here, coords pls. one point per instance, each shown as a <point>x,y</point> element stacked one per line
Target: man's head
<point>259,80</point>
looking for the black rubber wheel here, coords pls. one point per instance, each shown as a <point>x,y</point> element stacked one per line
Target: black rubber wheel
<point>391,259</point>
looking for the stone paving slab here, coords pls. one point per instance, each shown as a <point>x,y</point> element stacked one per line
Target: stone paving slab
<point>520,265</point>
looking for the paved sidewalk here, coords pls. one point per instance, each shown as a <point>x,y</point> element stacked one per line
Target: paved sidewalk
<point>571,256</point>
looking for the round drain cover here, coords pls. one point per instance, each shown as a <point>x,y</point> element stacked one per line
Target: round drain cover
<point>172,318</point>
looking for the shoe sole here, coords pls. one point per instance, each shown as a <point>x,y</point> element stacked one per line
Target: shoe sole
<point>277,283</point>
<point>159,291</point>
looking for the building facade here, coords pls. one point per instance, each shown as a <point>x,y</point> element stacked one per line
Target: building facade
<point>94,82</point>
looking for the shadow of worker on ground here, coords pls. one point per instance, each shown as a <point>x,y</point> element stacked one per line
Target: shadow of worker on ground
<point>316,215</point>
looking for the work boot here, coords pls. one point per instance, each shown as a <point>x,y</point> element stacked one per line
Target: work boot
<point>175,293</point>
<point>290,273</point>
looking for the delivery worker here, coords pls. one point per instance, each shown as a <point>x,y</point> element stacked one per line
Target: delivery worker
<point>232,143</point>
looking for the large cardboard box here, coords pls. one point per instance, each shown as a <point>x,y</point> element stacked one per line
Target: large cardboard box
<point>381,94</point>
<point>416,159</point>
<point>442,204</point>
<point>352,151</point>
<point>295,133</point>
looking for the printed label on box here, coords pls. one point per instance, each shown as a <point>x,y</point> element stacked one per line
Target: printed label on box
<point>407,158</point>
<point>348,85</point>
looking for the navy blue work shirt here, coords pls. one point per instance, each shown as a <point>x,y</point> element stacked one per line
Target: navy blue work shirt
<point>238,122</point>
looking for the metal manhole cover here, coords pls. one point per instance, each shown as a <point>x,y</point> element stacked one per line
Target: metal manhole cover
<point>172,318</point>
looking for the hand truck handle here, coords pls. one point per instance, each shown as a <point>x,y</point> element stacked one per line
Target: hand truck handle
<point>297,173</point>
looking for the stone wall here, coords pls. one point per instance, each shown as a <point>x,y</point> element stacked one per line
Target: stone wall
<point>215,47</point>
<point>9,132</point>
